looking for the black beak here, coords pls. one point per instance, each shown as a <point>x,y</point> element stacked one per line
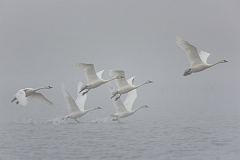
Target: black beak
<point>185,74</point>
<point>14,99</point>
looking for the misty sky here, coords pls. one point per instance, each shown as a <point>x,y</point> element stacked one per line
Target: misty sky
<point>41,41</point>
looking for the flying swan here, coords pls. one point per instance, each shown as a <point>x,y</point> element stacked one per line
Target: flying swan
<point>198,60</point>
<point>76,108</point>
<point>23,96</point>
<point>125,109</point>
<point>93,79</point>
<point>122,85</point>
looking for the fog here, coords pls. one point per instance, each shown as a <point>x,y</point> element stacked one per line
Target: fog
<point>41,41</point>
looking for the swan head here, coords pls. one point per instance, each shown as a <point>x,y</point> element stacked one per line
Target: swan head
<point>147,82</point>
<point>145,106</point>
<point>223,61</point>
<point>49,87</point>
<point>66,117</point>
<point>187,72</point>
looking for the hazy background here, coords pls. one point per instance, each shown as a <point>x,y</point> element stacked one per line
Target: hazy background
<point>40,42</point>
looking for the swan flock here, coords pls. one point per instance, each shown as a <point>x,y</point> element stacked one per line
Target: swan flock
<point>123,108</point>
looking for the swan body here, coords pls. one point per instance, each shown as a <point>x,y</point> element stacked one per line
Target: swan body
<point>93,79</point>
<point>125,109</point>
<point>123,86</point>
<point>76,108</point>
<point>23,96</point>
<point>197,60</point>
<point>117,116</point>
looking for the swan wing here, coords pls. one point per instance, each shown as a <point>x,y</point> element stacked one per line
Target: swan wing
<point>81,99</point>
<point>21,97</point>
<point>190,50</point>
<point>100,74</point>
<point>41,97</point>
<point>119,106</point>
<point>131,96</point>
<point>89,71</point>
<point>131,81</point>
<point>121,82</point>
<point>72,106</point>
<point>204,56</point>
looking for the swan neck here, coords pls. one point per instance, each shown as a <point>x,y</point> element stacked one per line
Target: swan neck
<point>141,85</point>
<point>216,63</point>
<point>37,89</point>
<point>138,108</point>
<point>109,80</point>
<point>92,109</point>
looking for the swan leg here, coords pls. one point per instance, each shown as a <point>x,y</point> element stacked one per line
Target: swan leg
<point>117,97</point>
<point>113,96</point>
<point>83,89</point>
<point>85,92</point>
<point>14,99</point>
<point>77,120</point>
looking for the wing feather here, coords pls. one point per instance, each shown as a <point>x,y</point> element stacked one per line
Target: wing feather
<point>72,106</point>
<point>121,82</point>
<point>204,56</point>
<point>81,99</point>
<point>40,96</point>
<point>119,106</point>
<point>131,96</point>
<point>21,97</point>
<point>190,50</point>
<point>100,74</point>
<point>89,72</point>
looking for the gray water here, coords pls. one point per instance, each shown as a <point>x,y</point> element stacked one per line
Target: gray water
<point>198,139</point>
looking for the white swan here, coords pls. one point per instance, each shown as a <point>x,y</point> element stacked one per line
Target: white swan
<point>93,79</point>
<point>122,85</point>
<point>125,109</point>
<point>198,60</point>
<point>23,96</point>
<point>76,108</point>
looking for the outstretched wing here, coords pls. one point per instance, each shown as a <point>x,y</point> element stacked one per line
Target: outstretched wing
<point>190,50</point>
<point>131,81</point>
<point>40,96</point>
<point>89,71</point>
<point>21,97</point>
<point>204,56</point>
<point>72,106</point>
<point>100,74</point>
<point>121,82</point>
<point>119,106</point>
<point>81,99</point>
<point>131,96</point>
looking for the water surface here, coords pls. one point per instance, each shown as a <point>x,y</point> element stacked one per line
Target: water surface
<point>131,139</point>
